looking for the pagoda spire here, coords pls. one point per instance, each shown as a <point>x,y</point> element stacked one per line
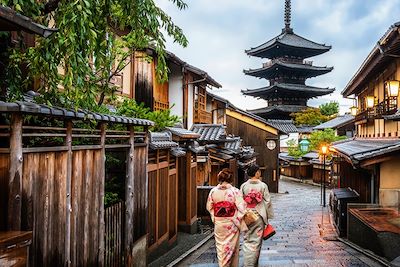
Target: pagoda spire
<point>288,15</point>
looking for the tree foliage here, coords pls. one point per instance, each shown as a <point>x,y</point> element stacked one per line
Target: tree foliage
<point>329,109</point>
<point>94,41</point>
<point>161,119</point>
<point>309,116</point>
<point>294,149</point>
<point>325,137</point>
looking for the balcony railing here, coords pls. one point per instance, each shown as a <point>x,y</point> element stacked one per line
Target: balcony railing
<point>202,116</point>
<point>386,107</point>
<point>158,105</point>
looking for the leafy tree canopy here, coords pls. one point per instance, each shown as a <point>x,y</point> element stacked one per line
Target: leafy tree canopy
<point>309,116</point>
<point>329,109</point>
<point>325,137</point>
<point>294,149</point>
<point>92,36</point>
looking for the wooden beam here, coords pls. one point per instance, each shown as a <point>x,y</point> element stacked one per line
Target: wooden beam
<point>129,199</point>
<point>15,175</point>
<point>68,143</point>
<point>101,193</point>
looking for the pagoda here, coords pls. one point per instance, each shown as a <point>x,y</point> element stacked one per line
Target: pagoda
<point>287,70</point>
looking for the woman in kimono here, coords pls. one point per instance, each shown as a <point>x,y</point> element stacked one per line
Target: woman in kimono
<point>258,199</point>
<point>226,206</point>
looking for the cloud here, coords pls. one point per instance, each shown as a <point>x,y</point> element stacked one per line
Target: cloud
<point>220,30</point>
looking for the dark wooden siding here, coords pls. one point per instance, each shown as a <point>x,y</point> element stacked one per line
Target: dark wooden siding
<point>143,80</point>
<point>4,173</point>
<point>357,179</point>
<point>257,138</point>
<point>140,191</point>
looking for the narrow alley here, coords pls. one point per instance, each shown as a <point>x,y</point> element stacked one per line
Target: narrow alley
<point>300,240</point>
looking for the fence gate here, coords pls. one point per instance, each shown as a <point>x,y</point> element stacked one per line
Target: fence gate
<point>114,237</point>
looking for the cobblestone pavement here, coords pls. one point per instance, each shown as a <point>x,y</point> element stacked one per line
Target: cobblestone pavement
<point>304,235</point>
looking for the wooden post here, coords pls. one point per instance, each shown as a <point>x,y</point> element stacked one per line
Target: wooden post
<point>101,193</point>
<point>15,178</point>
<point>68,143</point>
<point>129,198</point>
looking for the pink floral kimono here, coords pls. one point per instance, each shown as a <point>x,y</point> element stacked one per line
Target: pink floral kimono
<point>227,207</point>
<point>258,199</point>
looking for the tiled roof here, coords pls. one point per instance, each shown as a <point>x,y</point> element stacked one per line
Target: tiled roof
<point>311,155</point>
<point>161,140</point>
<point>271,70</point>
<point>357,150</point>
<point>209,132</point>
<point>11,20</point>
<point>183,133</point>
<point>288,88</point>
<point>233,143</point>
<point>305,129</point>
<point>285,126</point>
<point>280,108</point>
<point>336,122</point>
<point>178,152</point>
<point>38,109</point>
<point>291,40</point>
<point>395,116</point>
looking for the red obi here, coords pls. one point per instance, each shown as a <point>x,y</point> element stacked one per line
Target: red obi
<point>253,198</point>
<point>224,209</point>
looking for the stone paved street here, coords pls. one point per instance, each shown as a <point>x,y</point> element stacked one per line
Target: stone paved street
<point>300,239</point>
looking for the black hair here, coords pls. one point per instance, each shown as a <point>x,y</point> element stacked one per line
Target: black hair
<point>252,170</point>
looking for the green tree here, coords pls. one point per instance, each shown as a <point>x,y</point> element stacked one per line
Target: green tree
<point>94,41</point>
<point>294,149</point>
<point>309,116</point>
<point>325,137</point>
<point>329,109</point>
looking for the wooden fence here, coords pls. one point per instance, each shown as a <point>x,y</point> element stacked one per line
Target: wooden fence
<point>57,192</point>
<point>114,219</point>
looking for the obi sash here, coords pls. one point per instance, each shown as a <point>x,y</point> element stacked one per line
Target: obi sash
<point>252,199</point>
<point>224,209</point>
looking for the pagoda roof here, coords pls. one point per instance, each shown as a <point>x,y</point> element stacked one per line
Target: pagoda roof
<point>288,88</point>
<point>270,111</point>
<point>290,44</point>
<point>272,69</point>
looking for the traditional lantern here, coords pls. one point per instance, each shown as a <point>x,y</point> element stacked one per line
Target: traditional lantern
<point>353,110</point>
<point>304,145</point>
<point>324,149</point>
<point>393,88</point>
<point>370,101</point>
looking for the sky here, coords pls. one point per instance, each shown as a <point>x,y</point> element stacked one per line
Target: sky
<point>220,30</point>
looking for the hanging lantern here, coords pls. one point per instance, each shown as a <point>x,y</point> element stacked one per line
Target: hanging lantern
<point>304,145</point>
<point>370,101</point>
<point>393,88</point>
<point>353,110</point>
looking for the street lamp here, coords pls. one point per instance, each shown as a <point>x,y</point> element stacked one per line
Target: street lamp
<point>324,152</point>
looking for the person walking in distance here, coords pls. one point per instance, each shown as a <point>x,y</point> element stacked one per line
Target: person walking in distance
<point>256,195</point>
<point>226,206</point>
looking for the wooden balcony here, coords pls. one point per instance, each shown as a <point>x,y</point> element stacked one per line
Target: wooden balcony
<point>202,116</point>
<point>386,107</point>
<point>158,105</point>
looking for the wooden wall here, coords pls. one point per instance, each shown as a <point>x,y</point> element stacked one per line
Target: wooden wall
<point>257,138</point>
<point>163,199</point>
<point>4,173</point>
<point>357,179</point>
<point>140,190</point>
<point>187,201</point>
<point>143,80</point>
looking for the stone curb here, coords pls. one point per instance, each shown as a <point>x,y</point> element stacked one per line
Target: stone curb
<point>299,180</point>
<point>365,252</point>
<point>190,251</point>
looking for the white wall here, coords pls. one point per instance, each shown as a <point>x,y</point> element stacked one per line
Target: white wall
<point>175,92</point>
<point>190,105</point>
<point>285,138</point>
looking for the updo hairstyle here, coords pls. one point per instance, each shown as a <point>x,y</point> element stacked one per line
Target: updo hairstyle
<point>226,175</point>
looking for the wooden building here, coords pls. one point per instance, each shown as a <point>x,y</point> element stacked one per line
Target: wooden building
<point>369,163</point>
<point>287,71</point>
